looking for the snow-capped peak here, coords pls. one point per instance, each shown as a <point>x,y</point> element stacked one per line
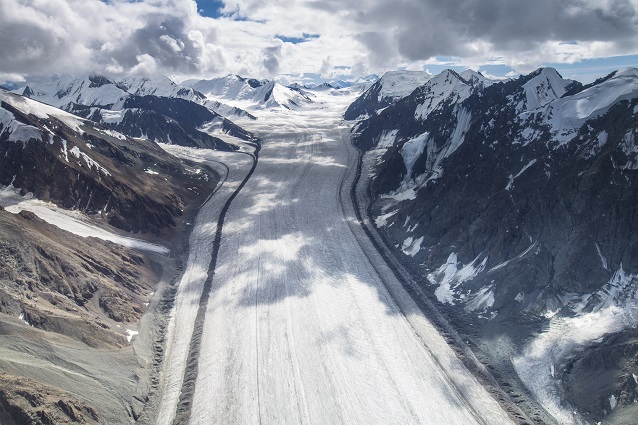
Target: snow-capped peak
<point>90,90</point>
<point>395,85</point>
<point>246,92</point>
<point>630,73</point>
<point>230,87</point>
<point>446,86</point>
<point>571,112</point>
<point>546,85</point>
<point>40,110</point>
<point>98,90</point>
<point>160,86</point>
<point>474,78</point>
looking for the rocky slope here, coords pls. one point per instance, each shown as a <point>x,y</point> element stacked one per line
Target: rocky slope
<point>23,401</point>
<point>131,184</point>
<point>60,282</point>
<point>515,203</point>
<point>70,305</point>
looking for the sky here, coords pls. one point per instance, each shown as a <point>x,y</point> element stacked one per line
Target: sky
<point>302,40</point>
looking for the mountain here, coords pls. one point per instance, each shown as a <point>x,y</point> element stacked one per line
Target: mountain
<point>393,86</point>
<point>98,90</point>
<point>77,164</point>
<point>335,84</point>
<point>156,109</point>
<point>514,203</point>
<point>248,92</point>
<point>70,304</point>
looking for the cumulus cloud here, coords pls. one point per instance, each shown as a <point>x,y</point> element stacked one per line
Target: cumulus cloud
<point>271,59</point>
<point>39,37</point>
<point>166,40</point>
<point>423,29</point>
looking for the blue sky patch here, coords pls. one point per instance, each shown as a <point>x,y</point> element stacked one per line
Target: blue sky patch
<point>296,40</point>
<point>210,8</point>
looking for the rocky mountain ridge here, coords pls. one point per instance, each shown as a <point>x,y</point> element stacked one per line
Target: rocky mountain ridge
<point>514,202</point>
<point>251,93</point>
<point>131,184</point>
<point>155,109</point>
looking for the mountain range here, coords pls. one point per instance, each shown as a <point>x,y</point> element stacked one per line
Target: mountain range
<point>512,203</point>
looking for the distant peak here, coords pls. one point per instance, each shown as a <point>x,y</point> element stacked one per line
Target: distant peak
<point>547,71</point>
<point>448,75</point>
<point>470,73</point>
<point>253,83</point>
<point>625,72</point>
<point>28,92</point>
<point>98,81</point>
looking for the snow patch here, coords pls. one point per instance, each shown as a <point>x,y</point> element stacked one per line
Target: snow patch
<point>519,256</point>
<point>434,156</point>
<point>598,144</point>
<point>412,150</point>
<point>112,117</point>
<point>613,402</point>
<point>90,162</point>
<point>382,220</point>
<point>402,194</point>
<point>387,139</point>
<point>72,221</point>
<point>24,319</point>
<point>412,247</point>
<point>630,149</point>
<point>130,334</point>
<point>65,151</point>
<point>512,178</point>
<point>483,300</point>
<point>603,260</point>
<point>450,275</point>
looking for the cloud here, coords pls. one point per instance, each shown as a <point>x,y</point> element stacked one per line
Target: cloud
<point>169,36</point>
<point>166,40</point>
<point>271,59</point>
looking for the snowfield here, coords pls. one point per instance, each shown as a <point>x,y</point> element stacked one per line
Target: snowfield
<point>304,322</point>
<point>73,221</point>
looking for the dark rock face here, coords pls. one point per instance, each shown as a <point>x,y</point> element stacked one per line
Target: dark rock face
<point>510,201</point>
<point>187,114</point>
<point>151,125</point>
<point>496,194</point>
<point>367,104</point>
<point>603,378</point>
<point>30,403</point>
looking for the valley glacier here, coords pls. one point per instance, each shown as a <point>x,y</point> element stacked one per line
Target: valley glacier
<point>305,323</point>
